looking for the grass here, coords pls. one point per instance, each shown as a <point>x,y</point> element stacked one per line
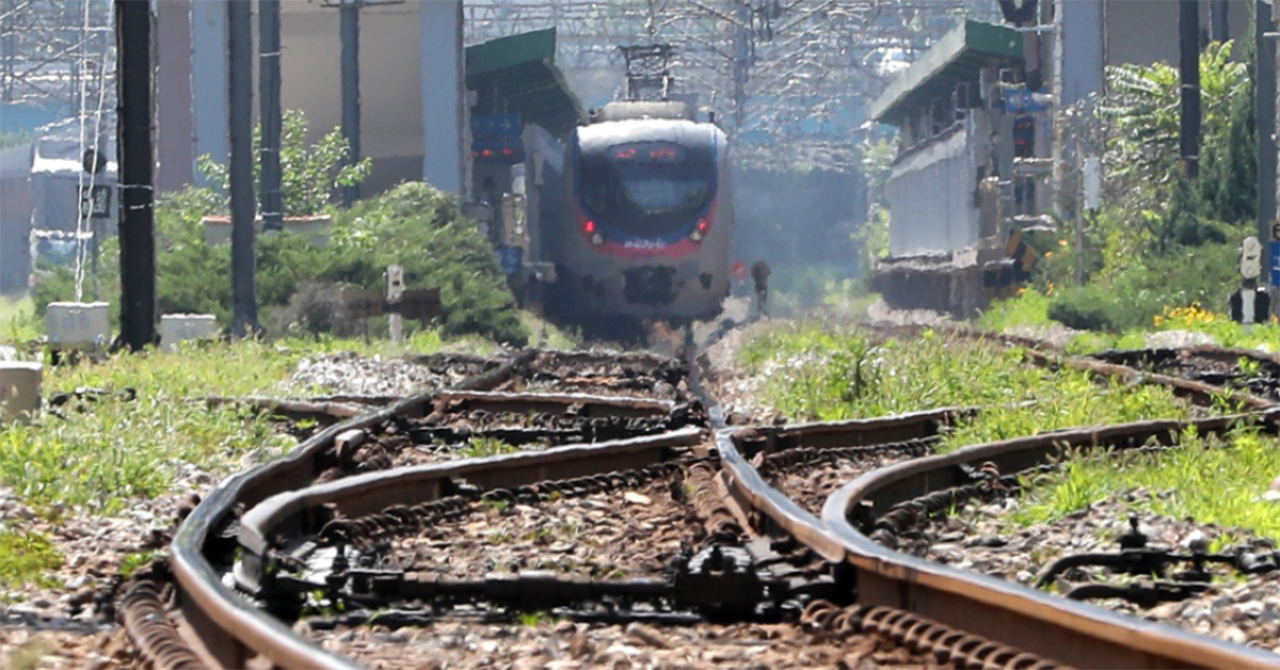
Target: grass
<point>1031,308</point>
<point>1195,475</point>
<point>556,338</point>
<point>27,558</point>
<point>816,373</point>
<point>486,446</point>
<point>18,321</point>
<point>133,562</point>
<point>111,450</point>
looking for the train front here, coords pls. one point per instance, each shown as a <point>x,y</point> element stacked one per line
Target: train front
<point>652,220</point>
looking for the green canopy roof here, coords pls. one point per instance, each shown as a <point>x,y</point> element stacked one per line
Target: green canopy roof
<point>957,57</point>
<point>518,75</point>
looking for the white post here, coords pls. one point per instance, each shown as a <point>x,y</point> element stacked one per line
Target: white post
<point>395,288</point>
<point>19,391</point>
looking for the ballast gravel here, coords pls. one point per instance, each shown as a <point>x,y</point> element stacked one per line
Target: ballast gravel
<point>566,645</point>
<point>983,538</point>
<point>352,374</point>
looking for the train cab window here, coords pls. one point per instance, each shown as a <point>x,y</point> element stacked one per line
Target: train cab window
<point>646,188</point>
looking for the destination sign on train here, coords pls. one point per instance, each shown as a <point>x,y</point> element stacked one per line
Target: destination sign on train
<point>648,152</point>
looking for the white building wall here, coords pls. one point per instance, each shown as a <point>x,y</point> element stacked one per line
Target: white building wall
<point>931,194</point>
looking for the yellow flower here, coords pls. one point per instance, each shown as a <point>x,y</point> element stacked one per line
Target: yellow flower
<point>1048,254</point>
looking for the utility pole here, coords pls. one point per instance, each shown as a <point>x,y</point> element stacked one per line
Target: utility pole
<point>1264,107</point>
<point>1189,68</point>
<point>269,109</point>
<point>1218,29</point>
<point>137,241</point>
<point>742,53</point>
<point>350,11</point>
<point>244,296</point>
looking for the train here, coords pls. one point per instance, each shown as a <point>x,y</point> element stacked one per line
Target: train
<point>647,220</point>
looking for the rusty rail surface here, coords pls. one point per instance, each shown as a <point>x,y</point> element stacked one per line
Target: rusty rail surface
<point>228,626</point>
<point>232,631</point>
<point>1071,632</point>
<point>252,510</point>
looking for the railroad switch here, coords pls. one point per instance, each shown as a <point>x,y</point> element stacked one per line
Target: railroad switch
<point>1139,559</point>
<point>723,579</point>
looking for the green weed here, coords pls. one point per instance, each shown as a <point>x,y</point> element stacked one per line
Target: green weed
<point>817,373</point>
<point>480,447</point>
<point>1194,473</point>
<point>1030,308</point>
<point>535,619</point>
<point>132,562</point>
<point>27,558</point>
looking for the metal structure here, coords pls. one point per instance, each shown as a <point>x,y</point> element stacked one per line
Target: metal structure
<point>52,51</point>
<point>333,491</point>
<point>649,71</point>
<point>269,189</point>
<point>350,35</point>
<point>137,175</point>
<point>799,73</point>
<point>244,292</point>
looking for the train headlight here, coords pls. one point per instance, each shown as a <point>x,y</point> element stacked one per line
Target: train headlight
<point>597,239</point>
<point>699,231</point>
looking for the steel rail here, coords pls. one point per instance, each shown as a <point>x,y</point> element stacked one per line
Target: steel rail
<point>288,513</point>
<point>739,446</point>
<point>233,631</point>
<point>226,625</point>
<point>1071,632</point>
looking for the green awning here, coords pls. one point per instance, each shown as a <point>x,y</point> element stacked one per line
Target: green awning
<point>518,75</point>
<point>956,58</point>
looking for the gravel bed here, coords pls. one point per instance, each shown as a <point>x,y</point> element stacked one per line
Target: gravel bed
<point>565,645</point>
<point>612,535</point>
<point>352,374</point>
<point>737,391</point>
<point>809,486</point>
<point>983,538</point>
<point>60,626</point>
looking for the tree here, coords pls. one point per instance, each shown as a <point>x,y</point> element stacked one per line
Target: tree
<point>313,176</point>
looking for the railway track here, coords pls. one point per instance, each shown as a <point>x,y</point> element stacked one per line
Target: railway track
<point>610,498</point>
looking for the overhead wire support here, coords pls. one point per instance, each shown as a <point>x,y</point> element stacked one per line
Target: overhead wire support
<point>351,90</point>
<point>1189,66</point>
<point>136,160</point>
<point>350,34</point>
<point>244,293</point>
<point>272,206</point>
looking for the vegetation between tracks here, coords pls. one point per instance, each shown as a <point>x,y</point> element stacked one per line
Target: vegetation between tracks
<point>1031,308</point>
<point>26,558</point>
<point>817,373</point>
<point>1191,480</point>
<point>140,423</point>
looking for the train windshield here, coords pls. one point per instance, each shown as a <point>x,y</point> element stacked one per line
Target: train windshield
<point>646,188</point>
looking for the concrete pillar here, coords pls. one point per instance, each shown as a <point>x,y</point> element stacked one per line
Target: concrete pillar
<point>443,84</point>
<point>174,147</point>
<point>209,81</point>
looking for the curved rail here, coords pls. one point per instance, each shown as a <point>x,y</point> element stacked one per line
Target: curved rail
<point>1069,631</point>
<point>227,626</point>
<point>241,514</point>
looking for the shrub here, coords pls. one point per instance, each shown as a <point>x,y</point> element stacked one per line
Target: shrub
<point>413,225</point>
<point>1088,308</point>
